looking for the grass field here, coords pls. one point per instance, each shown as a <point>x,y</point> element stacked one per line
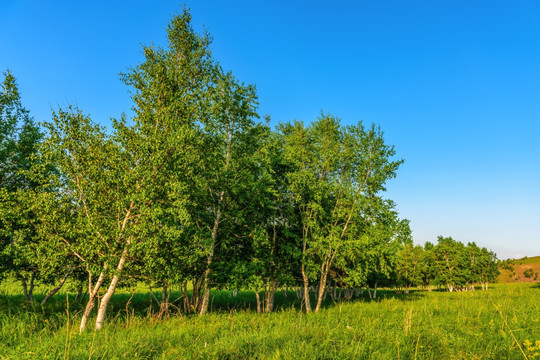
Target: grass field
<point>529,260</point>
<point>502,323</point>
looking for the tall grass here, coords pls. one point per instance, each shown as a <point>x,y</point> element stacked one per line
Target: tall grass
<point>502,323</point>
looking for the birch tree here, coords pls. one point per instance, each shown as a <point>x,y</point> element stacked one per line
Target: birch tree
<point>337,172</point>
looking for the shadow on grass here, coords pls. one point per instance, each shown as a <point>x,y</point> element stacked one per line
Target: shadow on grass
<point>245,300</point>
<point>143,304</point>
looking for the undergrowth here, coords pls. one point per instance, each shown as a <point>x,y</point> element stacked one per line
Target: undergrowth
<point>502,323</point>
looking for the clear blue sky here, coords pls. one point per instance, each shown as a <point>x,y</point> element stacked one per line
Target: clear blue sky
<point>455,85</point>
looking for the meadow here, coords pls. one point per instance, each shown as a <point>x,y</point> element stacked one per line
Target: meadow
<point>501,323</point>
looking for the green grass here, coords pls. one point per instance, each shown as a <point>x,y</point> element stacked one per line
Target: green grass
<point>528,261</point>
<point>490,324</point>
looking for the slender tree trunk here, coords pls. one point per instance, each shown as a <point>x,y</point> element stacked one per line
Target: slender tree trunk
<point>322,287</point>
<point>206,290</point>
<point>100,319</point>
<point>195,295</point>
<point>58,287</point>
<point>92,299</point>
<point>306,290</point>
<point>87,310</point>
<point>269,297</point>
<point>164,304</point>
<point>375,291</point>
<point>185,296</point>
<point>31,287</point>
<point>258,301</point>
<point>23,283</point>
<point>206,285</point>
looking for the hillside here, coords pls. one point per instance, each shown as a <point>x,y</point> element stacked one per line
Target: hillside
<point>525,270</point>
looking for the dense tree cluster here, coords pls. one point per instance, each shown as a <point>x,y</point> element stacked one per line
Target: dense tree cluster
<point>195,192</point>
<point>448,264</point>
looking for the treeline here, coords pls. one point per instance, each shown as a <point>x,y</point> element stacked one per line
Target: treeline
<point>448,264</point>
<point>195,193</point>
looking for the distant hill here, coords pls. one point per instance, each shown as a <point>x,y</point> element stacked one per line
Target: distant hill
<point>524,270</point>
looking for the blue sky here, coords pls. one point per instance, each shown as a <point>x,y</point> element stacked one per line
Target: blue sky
<point>455,85</point>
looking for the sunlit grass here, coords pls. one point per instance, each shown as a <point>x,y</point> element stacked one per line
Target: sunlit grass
<point>502,323</point>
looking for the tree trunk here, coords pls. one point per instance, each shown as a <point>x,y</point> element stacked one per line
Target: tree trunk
<point>31,287</point>
<point>269,297</point>
<point>258,301</point>
<point>28,288</point>
<point>306,290</point>
<point>23,283</point>
<point>349,292</point>
<point>206,292</point>
<point>58,287</point>
<point>375,290</point>
<point>322,288</point>
<point>91,300</point>
<point>112,287</point>
<point>206,286</point>
<point>185,297</point>
<point>195,295</point>
<point>87,310</point>
<point>164,304</point>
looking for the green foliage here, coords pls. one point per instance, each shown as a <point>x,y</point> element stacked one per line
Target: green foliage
<point>410,266</point>
<point>507,264</point>
<point>19,161</point>
<point>449,263</point>
<point>335,176</point>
